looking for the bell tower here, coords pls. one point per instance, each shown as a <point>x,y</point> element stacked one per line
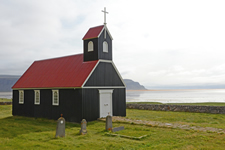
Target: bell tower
<point>97,43</point>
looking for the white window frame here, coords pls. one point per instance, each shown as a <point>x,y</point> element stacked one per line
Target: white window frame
<point>105,47</point>
<point>90,46</point>
<point>55,103</point>
<point>21,97</point>
<point>37,99</point>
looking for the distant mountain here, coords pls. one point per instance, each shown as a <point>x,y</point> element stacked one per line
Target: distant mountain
<point>7,81</point>
<point>132,85</point>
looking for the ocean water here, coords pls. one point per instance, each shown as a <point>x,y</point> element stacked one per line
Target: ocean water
<point>177,96</point>
<point>6,95</point>
<point>167,96</point>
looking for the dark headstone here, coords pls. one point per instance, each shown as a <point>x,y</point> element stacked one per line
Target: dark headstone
<point>108,124</point>
<point>83,129</point>
<point>60,129</point>
<point>118,129</point>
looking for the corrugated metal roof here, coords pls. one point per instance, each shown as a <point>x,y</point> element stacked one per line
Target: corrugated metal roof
<point>93,32</point>
<point>68,71</point>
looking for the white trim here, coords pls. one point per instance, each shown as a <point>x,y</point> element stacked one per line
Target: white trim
<point>104,87</point>
<point>35,97</point>
<point>57,100</point>
<point>109,33</point>
<point>90,74</point>
<point>105,27</point>
<point>21,97</point>
<point>106,91</point>
<point>101,32</point>
<point>118,73</point>
<point>107,61</point>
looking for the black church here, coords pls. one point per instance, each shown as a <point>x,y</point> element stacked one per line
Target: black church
<point>83,86</point>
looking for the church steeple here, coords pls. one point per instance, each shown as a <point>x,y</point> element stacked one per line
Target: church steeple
<point>97,43</point>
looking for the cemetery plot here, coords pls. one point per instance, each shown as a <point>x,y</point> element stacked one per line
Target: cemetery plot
<point>30,133</point>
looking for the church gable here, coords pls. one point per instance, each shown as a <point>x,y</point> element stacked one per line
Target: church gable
<point>105,74</point>
<point>105,46</point>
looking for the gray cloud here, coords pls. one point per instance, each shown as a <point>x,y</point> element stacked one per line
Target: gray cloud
<point>155,42</point>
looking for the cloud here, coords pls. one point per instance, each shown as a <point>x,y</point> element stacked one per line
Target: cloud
<point>155,42</point>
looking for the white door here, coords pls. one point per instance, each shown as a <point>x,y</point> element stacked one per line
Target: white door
<point>105,102</point>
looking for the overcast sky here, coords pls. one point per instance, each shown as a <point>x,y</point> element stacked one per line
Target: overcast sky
<point>156,42</point>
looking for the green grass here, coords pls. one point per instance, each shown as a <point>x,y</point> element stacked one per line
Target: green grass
<point>200,104</point>
<point>193,119</point>
<point>30,133</point>
<point>5,111</point>
<point>5,100</point>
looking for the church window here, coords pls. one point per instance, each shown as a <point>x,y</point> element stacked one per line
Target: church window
<point>55,97</point>
<point>21,96</point>
<point>105,47</point>
<point>37,97</point>
<point>90,46</point>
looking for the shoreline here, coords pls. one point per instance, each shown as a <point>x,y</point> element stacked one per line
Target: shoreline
<point>174,89</point>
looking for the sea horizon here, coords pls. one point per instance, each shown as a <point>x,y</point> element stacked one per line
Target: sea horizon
<point>176,95</point>
<point>167,95</point>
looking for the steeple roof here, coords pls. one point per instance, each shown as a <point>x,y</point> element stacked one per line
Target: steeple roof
<point>95,32</point>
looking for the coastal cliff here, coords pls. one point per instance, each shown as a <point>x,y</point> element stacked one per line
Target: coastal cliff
<point>132,85</point>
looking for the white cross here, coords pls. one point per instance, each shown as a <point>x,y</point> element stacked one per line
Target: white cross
<point>105,15</point>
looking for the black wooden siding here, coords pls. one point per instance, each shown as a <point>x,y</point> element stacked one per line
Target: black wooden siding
<point>98,48</point>
<point>70,102</point>
<point>91,110</point>
<point>104,75</point>
<point>90,105</point>
<point>119,102</point>
<point>92,55</point>
<point>101,54</point>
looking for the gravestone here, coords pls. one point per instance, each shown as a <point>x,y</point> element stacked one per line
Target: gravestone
<point>118,129</point>
<point>108,125</point>
<point>60,129</point>
<point>83,130</point>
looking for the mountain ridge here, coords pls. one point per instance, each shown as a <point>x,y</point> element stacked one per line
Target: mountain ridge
<point>133,85</point>
<point>7,81</point>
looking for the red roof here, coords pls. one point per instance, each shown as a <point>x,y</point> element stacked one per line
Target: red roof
<point>69,71</point>
<point>93,32</point>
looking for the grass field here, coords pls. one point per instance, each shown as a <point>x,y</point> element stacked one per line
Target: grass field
<point>5,100</point>
<point>201,104</point>
<point>30,133</point>
<point>193,119</point>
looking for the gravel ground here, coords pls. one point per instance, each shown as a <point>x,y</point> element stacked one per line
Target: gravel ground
<point>166,125</point>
